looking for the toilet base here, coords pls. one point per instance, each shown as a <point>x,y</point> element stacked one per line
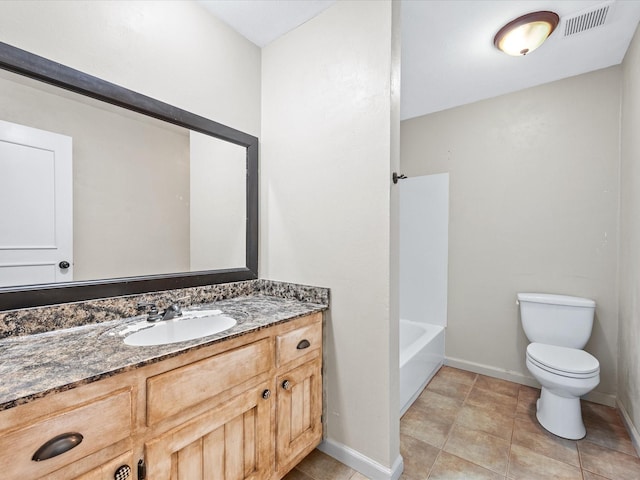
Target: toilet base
<point>561,416</point>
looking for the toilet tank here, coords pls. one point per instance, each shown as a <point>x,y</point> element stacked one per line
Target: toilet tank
<point>557,319</point>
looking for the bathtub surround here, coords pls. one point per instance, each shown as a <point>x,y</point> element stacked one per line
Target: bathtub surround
<point>629,259</point>
<point>328,148</point>
<point>424,240</point>
<point>424,248</point>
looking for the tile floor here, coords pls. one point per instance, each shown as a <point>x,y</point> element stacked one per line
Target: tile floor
<point>467,426</point>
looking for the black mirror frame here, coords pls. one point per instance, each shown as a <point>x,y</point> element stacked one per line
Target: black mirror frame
<point>24,63</point>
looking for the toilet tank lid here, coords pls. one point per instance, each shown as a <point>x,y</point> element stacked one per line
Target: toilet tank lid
<point>553,299</point>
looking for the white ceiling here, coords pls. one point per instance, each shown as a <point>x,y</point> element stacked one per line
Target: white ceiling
<point>448,57</point>
<point>262,21</point>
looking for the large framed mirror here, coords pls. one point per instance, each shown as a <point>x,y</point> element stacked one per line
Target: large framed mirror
<point>108,192</point>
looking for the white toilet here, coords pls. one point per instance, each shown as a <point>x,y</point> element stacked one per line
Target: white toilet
<point>559,327</point>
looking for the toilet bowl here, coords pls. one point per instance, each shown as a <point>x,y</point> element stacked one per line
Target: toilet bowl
<point>565,374</point>
<point>559,326</point>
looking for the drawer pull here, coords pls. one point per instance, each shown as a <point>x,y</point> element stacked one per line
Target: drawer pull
<point>303,344</point>
<point>57,446</point>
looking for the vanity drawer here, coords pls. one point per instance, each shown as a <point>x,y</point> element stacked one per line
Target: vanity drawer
<point>101,423</point>
<point>171,392</point>
<point>300,342</point>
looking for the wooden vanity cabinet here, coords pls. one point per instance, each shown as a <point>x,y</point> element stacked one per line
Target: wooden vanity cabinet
<point>264,409</point>
<point>248,408</point>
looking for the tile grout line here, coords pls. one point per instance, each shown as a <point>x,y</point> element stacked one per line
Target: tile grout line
<point>453,424</point>
<point>580,459</point>
<point>434,463</point>
<point>513,429</point>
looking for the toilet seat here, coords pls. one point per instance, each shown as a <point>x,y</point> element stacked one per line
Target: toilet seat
<point>567,362</point>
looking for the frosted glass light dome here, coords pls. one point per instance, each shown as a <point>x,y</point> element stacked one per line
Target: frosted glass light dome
<point>526,33</point>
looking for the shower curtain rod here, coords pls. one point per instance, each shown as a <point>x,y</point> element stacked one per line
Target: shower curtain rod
<point>395,177</point>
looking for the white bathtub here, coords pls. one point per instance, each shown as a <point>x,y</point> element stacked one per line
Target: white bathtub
<point>421,355</point>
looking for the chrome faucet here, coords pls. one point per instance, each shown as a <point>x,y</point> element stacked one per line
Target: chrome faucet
<point>172,311</point>
<point>153,315</point>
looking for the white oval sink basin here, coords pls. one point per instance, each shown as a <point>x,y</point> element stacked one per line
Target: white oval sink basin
<point>181,329</point>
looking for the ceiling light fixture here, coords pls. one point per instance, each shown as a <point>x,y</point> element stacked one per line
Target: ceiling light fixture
<point>526,33</point>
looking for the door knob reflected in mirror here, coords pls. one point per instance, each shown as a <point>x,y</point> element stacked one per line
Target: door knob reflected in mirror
<point>64,264</point>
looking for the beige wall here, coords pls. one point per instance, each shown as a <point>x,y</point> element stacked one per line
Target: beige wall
<point>325,206</point>
<point>218,203</point>
<point>150,47</point>
<point>533,207</point>
<point>629,334</point>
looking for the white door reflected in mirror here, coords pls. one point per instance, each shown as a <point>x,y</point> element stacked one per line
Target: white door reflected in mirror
<point>36,206</point>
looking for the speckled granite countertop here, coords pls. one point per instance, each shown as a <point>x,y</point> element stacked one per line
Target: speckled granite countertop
<point>34,366</point>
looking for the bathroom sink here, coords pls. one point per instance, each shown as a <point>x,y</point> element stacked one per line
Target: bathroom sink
<point>191,325</point>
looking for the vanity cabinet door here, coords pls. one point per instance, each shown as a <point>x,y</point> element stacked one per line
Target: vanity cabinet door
<point>232,441</point>
<point>298,413</point>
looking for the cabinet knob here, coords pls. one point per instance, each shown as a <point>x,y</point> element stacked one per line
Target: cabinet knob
<point>122,473</point>
<point>286,385</point>
<point>266,394</point>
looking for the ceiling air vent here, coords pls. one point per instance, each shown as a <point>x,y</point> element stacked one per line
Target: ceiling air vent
<point>587,20</point>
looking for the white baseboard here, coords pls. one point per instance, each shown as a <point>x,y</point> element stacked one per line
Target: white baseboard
<point>495,372</point>
<point>517,377</point>
<point>631,428</point>
<point>601,398</point>
<point>366,466</point>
